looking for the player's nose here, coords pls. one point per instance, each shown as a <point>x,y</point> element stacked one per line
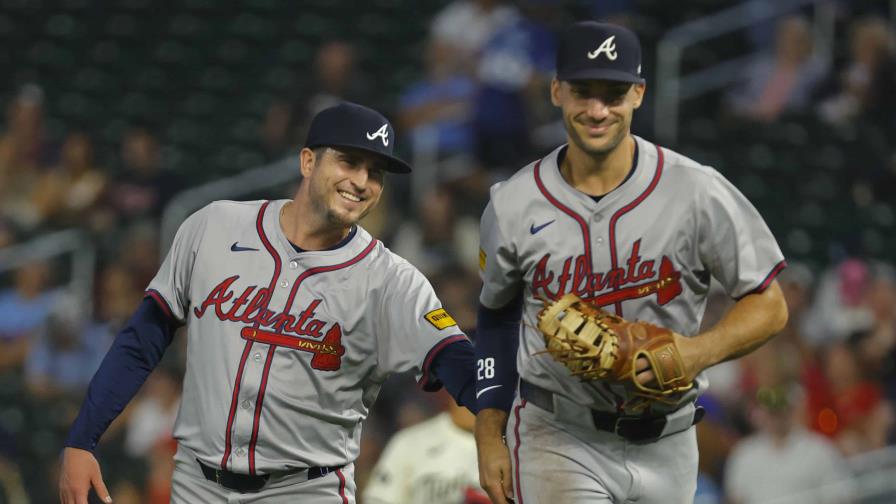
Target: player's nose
<point>597,109</point>
<point>359,177</point>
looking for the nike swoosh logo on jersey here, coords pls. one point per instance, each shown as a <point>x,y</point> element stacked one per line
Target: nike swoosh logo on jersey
<point>486,389</point>
<point>534,229</point>
<point>237,248</point>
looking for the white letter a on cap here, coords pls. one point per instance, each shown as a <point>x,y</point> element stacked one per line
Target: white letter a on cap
<point>607,46</point>
<point>383,133</point>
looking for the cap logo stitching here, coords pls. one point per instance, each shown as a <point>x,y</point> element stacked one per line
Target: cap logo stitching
<point>382,133</point>
<point>608,47</point>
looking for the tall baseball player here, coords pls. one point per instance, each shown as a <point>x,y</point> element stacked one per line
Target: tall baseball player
<point>295,316</point>
<point>639,230</point>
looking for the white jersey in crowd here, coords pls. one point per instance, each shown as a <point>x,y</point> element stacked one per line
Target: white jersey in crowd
<point>802,468</point>
<point>287,350</point>
<point>644,251</point>
<point>432,462</point>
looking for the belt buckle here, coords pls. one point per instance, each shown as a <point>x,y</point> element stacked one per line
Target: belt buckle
<point>218,476</point>
<point>617,424</point>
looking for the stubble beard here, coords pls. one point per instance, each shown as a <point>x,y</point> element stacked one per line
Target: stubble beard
<point>596,152</point>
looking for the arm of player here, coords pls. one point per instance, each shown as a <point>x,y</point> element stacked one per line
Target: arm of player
<point>752,321</point>
<point>137,350</point>
<point>497,340</point>
<point>453,367</point>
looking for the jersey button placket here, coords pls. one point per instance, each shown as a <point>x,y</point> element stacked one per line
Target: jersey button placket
<point>595,219</point>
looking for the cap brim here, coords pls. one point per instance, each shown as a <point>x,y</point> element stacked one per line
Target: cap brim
<point>393,164</point>
<point>600,74</point>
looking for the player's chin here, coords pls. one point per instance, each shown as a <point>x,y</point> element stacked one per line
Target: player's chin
<point>349,216</point>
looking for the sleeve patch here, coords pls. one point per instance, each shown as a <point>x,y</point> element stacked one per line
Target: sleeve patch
<point>440,319</point>
<point>482,258</point>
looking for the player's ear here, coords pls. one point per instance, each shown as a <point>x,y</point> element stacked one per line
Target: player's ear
<point>306,161</point>
<point>639,90</point>
<point>555,92</point>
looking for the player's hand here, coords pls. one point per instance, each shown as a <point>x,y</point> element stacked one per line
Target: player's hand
<point>80,471</point>
<point>690,353</point>
<point>495,475</point>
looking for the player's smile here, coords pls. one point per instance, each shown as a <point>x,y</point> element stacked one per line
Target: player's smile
<point>596,129</point>
<point>350,196</point>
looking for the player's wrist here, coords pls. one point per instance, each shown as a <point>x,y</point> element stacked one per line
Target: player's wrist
<point>490,424</point>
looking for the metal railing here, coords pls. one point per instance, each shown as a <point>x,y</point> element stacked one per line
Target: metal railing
<point>71,241</point>
<point>185,203</point>
<point>673,87</point>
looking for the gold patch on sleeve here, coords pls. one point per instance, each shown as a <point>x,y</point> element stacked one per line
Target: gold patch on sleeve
<point>482,258</point>
<point>440,319</point>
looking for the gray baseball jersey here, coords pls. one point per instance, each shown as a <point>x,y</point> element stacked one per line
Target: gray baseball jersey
<point>645,251</point>
<point>287,350</point>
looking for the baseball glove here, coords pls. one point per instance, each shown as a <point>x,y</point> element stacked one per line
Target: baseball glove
<point>596,345</point>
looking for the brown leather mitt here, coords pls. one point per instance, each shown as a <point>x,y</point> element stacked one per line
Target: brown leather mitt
<point>596,345</point>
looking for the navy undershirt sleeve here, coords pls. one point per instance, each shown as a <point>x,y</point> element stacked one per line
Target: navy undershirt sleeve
<point>454,368</point>
<point>497,340</point>
<point>137,350</point>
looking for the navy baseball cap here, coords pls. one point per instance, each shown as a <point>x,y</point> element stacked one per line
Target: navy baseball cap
<point>352,125</point>
<point>592,50</point>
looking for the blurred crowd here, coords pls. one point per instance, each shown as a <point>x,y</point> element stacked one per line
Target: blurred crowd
<point>793,413</point>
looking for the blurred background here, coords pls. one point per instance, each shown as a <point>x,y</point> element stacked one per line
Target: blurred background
<point>122,118</point>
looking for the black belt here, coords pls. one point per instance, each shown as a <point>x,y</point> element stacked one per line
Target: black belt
<point>633,428</point>
<point>247,483</point>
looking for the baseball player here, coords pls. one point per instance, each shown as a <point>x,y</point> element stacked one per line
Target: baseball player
<point>295,316</point>
<point>432,462</point>
<point>638,230</point>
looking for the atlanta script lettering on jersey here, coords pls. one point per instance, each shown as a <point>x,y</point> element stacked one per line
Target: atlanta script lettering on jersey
<point>283,329</point>
<point>639,278</point>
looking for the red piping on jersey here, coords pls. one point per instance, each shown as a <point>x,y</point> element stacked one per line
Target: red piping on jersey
<point>163,305</point>
<point>342,486</point>
<point>516,451</point>
<point>627,208</point>
<point>267,365</point>
<point>234,399</point>
<point>768,280</point>
<point>433,352</point>
<point>586,233</point>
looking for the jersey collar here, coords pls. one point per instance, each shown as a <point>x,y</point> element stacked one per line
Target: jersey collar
<point>639,179</point>
<point>356,241</point>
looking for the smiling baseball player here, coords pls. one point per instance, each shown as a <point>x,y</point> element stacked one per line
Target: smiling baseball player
<point>618,222</point>
<point>295,316</point>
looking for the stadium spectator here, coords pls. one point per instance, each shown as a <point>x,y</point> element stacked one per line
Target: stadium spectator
<point>437,114</point>
<point>143,187</point>
<point>68,194</point>
<point>845,404</point>
<point>23,309</point>
<point>24,153</point>
<point>468,25</point>
<point>514,71</point>
<point>783,462</point>
<point>439,239</point>
<point>118,293</point>
<point>138,253</point>
<point>335,77</point>
<point>432,462</point>
<point>783,81</point>
<point>66,352</point>
<point>7,233</point>
<point>864,87</point>
<point>838,307</point>
<point>152,417</point>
